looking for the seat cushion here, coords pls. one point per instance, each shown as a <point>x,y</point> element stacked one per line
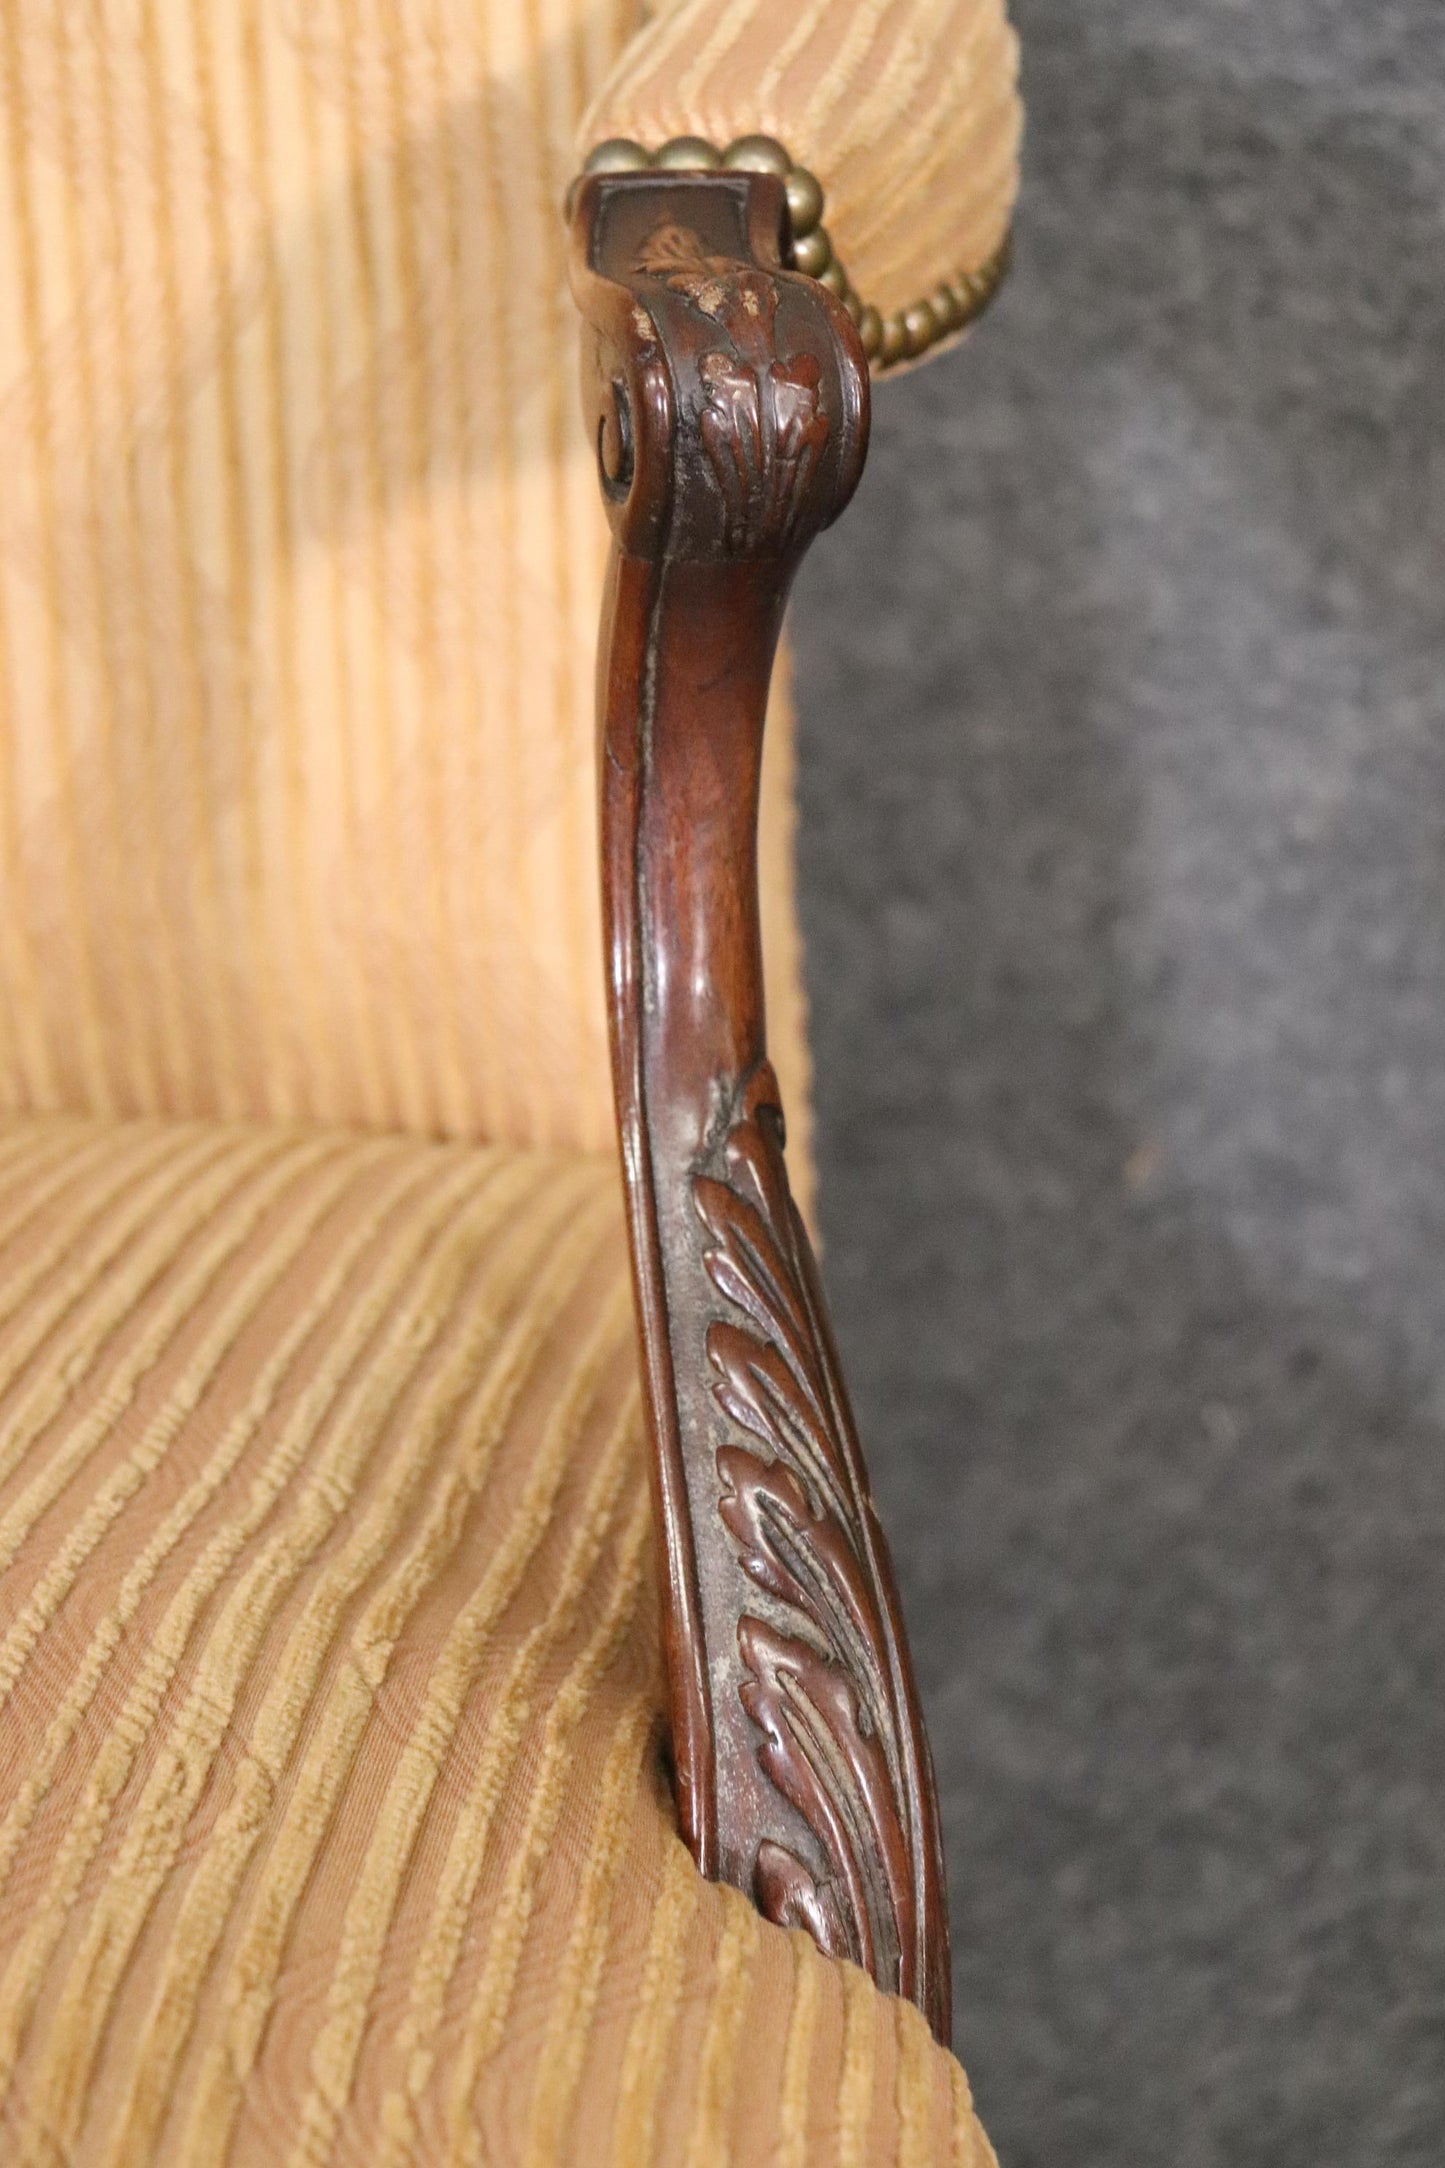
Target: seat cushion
<point>333,1825</point>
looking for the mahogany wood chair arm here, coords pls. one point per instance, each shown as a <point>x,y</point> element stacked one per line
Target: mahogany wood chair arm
<point>728,394</point>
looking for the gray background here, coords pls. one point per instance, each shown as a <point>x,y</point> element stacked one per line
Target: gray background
<point>1124,888</point>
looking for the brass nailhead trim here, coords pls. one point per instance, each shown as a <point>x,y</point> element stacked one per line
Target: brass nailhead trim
<point>887,340</point>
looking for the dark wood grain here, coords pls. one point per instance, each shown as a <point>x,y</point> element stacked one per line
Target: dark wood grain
<point>729,400</point>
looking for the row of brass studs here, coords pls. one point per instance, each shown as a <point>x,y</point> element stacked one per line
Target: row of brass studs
<point>900,336</point>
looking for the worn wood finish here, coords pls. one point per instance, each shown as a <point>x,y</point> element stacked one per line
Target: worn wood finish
<point>729,398</point>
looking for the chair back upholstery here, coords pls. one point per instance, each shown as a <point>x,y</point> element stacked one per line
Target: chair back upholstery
<point>300,559</point>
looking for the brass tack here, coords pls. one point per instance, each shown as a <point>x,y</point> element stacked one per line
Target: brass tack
<point>870,330</point>
<point>852,304</point>
<point>813,252</point>
<point>757,154</point>
<point>948,307</point>
<point>834,277</point>
<point>920,326</point>
<point>687,154</point>
<point>805,200</point>
<point>619,154</point>
<point>894,343</point>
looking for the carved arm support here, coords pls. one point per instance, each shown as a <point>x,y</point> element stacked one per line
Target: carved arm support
<point>729,400</point>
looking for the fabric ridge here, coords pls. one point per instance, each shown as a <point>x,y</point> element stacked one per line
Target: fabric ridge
<point>333,1826</point>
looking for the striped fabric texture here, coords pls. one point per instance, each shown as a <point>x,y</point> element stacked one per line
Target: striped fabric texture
<point>332,1820</point>
<point>300,565</point>
<point>907,111</point>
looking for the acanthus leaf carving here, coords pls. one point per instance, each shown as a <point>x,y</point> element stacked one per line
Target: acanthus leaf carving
<point>788,1894</point>
<point>817,1680</point>
<point>822,1758</point>
<point>762,422</point>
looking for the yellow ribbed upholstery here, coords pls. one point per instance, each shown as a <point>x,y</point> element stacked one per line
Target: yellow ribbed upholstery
<point>332,1824</point>
<point>300,561</point>
<point>907,110</point>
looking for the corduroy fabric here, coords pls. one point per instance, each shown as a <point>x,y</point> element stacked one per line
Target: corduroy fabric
<point>300,564</point>
<point>907,111</point>
<point>332,1826</point>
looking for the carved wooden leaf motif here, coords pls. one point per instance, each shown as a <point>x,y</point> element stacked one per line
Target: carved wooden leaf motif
<point>674,252</point>
<point>800,430</point>
<point>733,435</point>
<point>817,1677</point>
<point>762,431</point>
<point>762,422</point>
<point>819,1754</point>
<point>787,1894</point>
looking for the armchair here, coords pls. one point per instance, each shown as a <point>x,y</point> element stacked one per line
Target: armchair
<point>334,1801</point>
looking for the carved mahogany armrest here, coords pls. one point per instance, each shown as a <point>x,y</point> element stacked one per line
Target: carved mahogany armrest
<point>729,400</point>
